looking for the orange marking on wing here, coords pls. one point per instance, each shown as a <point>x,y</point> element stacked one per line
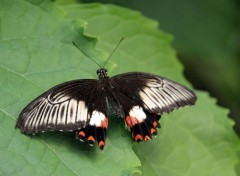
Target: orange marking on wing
<point>105,123</point>
<point>101,144</point>
<point>138,137</point>
<point>155,123</point>
<point>91,138</point>
<point>152,130</point>
<point>131,121</point>
<point>134,121</point>
<point>128,121</point>
<point>81,133</point>
<point>146,138</point>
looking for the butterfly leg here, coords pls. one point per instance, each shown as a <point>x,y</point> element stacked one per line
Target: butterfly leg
<point>142,124</point>
<point>93,133</point>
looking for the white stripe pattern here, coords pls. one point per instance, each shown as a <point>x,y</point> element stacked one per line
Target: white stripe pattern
<point>164,95</point>
<point>82,115</point>
<point>72,109</point>
<point>62,116</point>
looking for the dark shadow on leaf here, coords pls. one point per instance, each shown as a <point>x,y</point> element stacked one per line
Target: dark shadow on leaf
<point>66,141</point>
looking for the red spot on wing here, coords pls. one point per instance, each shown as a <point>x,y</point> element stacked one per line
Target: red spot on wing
<point>138,138</point>
<point>81,133</point>
<point>155,123</point>
<point>152,130</point>
<point>91,138</point>
<point>146,138</point>
<point>131,121</point>
<point>128,121</point>
<point>101,145</point>
<point>105,123</point>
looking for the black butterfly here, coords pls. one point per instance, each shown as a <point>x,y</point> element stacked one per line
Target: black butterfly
<point>82,105</point>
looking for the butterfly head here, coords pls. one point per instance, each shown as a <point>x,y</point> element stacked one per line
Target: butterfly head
<point>102,73</point>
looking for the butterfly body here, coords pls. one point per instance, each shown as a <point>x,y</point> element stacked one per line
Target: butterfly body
<point>82,105</point>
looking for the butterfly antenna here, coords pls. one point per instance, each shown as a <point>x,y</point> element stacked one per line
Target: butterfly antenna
<point>86,55</point>
<point>113,51</point>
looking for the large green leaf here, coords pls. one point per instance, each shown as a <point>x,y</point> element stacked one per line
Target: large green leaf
<point>36,53</point>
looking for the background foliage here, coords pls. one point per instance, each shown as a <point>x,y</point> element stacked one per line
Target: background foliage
<point>36,53</point>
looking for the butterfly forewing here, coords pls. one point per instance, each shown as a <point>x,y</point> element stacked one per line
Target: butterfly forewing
<point>154,93</point>
<point>66,107</point>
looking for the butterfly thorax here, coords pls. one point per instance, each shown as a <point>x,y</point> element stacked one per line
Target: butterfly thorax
<point>102,73</point>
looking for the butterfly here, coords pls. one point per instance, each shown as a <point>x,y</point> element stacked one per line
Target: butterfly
<point>82,105</point>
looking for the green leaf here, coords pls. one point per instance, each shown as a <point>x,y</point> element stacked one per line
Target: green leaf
<point>37,53</point>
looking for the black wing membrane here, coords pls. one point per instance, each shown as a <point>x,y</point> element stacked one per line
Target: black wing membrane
<point>141,98</point>
<point>154,93</point>
<point>65,107</point>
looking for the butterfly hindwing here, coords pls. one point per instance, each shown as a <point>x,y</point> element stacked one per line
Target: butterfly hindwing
<point>145,97</point>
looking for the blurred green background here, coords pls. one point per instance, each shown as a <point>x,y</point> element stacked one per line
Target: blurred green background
<point>207,40</point>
